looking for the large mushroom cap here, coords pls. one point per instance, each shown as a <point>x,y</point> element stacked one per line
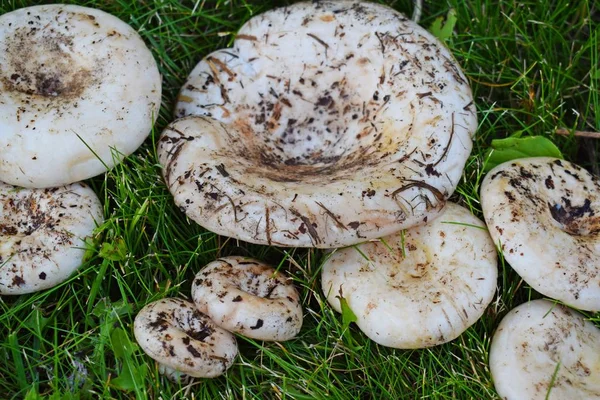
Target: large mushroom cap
<point>544,214</point>
<point>543,348</point>
<point>418,288</point>
<point>327,123</point>
<point>71,78</point>
<point>42,234</point>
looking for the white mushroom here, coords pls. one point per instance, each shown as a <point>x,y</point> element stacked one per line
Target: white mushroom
<point>327,124</point>
<point>543,350</point>
<point>248,297</point>
<point>420,287</point>
<point>42,234</point>
<point>79,90</point>
<point>184,341</point>
<point>544,213</point>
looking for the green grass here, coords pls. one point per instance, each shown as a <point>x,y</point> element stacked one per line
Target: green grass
<point>533,66</point>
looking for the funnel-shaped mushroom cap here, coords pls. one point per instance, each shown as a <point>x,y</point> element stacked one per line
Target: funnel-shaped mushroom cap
<point>418,288</point>
<point>327,123</point>
<point>544,213</point>
<point>76,84</point>
<point>43,233</point>
<point>543,348</point>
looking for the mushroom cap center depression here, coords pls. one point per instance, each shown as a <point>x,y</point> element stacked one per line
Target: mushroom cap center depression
<point>566,195</point>
<point>257,280</point>
<point>23,216</point>
<point>327,130</point>
<point>43,62</point>
<point>331,89</point>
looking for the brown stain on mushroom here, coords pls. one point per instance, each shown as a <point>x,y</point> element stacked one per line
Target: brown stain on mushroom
<point>40,64</point>
<point>35,225</point>
<point>327,18</point>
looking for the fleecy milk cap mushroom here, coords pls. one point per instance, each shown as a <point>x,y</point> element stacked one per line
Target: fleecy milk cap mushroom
<point>418,288</point>
<point>543,350</point>
<point>43,233</point>
<point>327,124</point>
<point>79,90</point>
<point>543,213</point>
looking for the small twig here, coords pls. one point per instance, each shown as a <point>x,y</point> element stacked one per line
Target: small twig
<point>587,134</point>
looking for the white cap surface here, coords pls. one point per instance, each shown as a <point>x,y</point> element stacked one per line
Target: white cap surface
<point>248,297</point>
<point>544,212</point>
<point>42,234</point>
<point>71,78</point>
<point>327,124</point>
<point>183,340</point>
<point>540,343</point>
<point>420,287</point>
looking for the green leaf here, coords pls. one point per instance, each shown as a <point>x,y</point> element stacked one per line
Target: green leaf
<point>115,251</point>
<point>122,346</point>
<point>348,317</point>
<point>514,147</point>
<point>443,29</point>
<point>132,375</point>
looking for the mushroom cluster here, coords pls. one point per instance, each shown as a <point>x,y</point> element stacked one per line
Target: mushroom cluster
<point>542,212</point>
<point>280,142</point>
<point>79,90</point>
<point>231,294</point>
<point>277,142</point>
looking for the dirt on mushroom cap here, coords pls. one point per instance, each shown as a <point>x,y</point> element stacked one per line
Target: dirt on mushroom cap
<point>248,297</point>
<point>181,338</point>
<point>418,288</point>
<point>42,234</point>
<point>544,214</point>
<point>71,78</point>
<point>540,348</point>
<point>308,153</point>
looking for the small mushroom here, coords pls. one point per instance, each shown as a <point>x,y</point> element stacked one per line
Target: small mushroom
<point>327,124</point>
<point>42,235</point>
<point>418,288</point>
<point>544,213</point>
<point>543,350</point>
<point>184,341</point>
<point>79,90</point>
<point>248,297</point>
